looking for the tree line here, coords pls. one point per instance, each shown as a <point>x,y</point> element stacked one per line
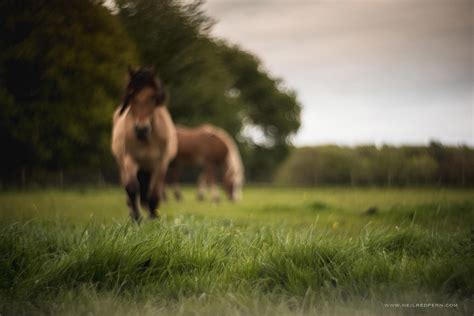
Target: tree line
<point>435,164</point>
<point>63,67</point>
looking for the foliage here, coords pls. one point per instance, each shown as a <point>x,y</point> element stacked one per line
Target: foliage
<point>61,66</point>
<point>268,104</point>
<point>268,107</point>
<point>212,81</point>
<point>172,37</point>
<point>281,251</point>
<point>388,165</point>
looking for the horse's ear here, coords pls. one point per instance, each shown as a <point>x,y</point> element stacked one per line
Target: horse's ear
<point>131,71</point>
<point>122,108</point>
<point>160,93</point>
<point>160,97</point>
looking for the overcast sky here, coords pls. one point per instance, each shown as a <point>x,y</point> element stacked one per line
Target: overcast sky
<point>373,71</point>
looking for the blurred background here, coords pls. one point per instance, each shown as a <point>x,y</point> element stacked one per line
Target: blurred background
<point>315,92</point>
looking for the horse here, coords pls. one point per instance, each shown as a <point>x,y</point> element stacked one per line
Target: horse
<point>212,149</point>
<point>143,140</point>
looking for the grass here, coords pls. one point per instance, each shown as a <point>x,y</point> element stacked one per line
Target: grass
<point>280,251</point>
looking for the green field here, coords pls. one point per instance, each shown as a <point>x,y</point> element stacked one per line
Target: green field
<point>279,251</point>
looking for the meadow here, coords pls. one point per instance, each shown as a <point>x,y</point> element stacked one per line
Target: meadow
<point>280,251</point>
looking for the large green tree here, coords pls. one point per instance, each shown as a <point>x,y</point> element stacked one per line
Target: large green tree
<point>211,81</point>
<point>62,67</point>
<point>267,107</point>
<point>174,38</point>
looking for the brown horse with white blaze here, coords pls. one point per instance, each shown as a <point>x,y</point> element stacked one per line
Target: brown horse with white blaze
<point>212,149</point>
<point>143,140</point>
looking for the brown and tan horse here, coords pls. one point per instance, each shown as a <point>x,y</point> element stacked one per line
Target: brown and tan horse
<point>143,141</point>
<point>212,149</point>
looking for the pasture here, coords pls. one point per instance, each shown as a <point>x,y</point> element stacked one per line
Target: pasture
<point>285,251</point>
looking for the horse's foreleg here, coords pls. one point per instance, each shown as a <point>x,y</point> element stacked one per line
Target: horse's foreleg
<point>132,204</point>
<point>207,179</point>
<point>211,180</point>
<point>175,171</point>
<point>201,186</point>
<point>157,187</point>
<point>216,197</point>
<point>177,192</point>
<point>130,182</point>
<point>153,196</point>
<point>153,205</point>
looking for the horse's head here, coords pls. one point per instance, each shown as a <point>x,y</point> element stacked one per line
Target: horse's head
<point>144,92</point>
<point>232,183</point>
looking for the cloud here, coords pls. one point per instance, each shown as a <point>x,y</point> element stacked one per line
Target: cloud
<point>353,55</point>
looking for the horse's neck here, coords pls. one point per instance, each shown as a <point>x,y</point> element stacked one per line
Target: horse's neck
<point>162,120</point>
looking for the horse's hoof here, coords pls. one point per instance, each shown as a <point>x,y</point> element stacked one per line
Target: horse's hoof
<point>178,196</point>
<point>136,219</point>
<point>154,216</point>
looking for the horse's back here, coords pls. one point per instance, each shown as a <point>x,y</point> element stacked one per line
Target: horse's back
<point>216,148</point>
<point>200,144</point>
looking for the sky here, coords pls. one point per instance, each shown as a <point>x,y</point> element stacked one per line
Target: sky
<point>365,71</point>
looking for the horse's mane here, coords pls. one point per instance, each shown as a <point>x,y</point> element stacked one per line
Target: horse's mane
<point>139,79</point>
<point>233,167</point>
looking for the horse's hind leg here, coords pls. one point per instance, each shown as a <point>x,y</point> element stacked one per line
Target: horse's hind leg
<point>156,189</point>
<point>163,194</point>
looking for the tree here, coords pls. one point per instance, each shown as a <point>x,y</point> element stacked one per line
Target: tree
<point>211,81</point>
<point>173,37</point>
<point>388,165</point>
<point>62,66</point>
<point>62,69</point>
<point>266,105</point>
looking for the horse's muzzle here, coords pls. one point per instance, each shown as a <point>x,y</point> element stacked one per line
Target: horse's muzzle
<point>142,131</point>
